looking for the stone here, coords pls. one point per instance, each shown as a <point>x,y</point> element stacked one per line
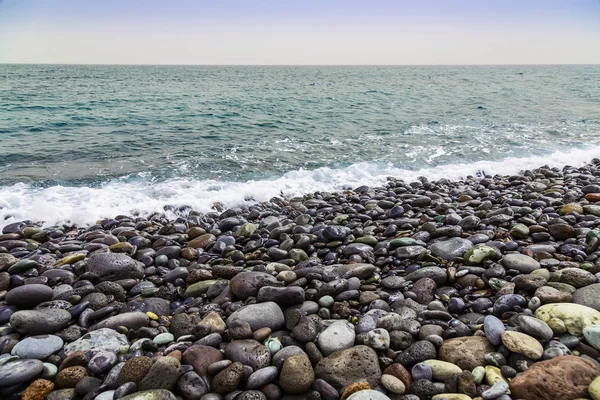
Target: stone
<point>134,370</point>
<point>520,262</point>
<point>192,386</point>
<point>451,249</point>
<point>297,374</point>
<point>248,352</point>
<point>38,347</point>
<point>588,296</point>
<point>566,377</point>
<point>466,352</point>
<point>594,389</point>
<point>442,370</point>
<point>480,254</point>
<point>392,384</point>
<point>114,266</point>
<point>337,336</point>
<point>228,379</point>
<point>353,388</point>
<point>451,396</point>
<point>575,316</point>
<point>69,377</point>
<point>98,341</point>
<point>535,327</point>
<point>163,374</point>
<point>247,284</point>
<point>156,394</point>
<point>493,329</point>
<point>577,277</point>
<point>262,377</point>
<point>368,395</point>
<point>523,344</point>
<point>29,296</point>
<point>39,322</point>
<point>347,366</point>
<point>131,320</point>
<point>399,371</point>
<point>259,315</point>
<point>202,241</point>
<point>591,333</point>
<point>19,371</point>
<point>200,357</point>
<point>199,288</point>
<point>418,351</point>
<point>38,390</point>
<point>378,339</point>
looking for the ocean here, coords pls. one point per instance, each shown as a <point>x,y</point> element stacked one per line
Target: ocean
<point>80,143</point>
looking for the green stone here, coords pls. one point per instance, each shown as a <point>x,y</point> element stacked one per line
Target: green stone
<point>519,231</point>
<point>198,288</point>
<point>164,338</point>
<point>591,209</point>
<point>22,266</point>
<point>496,283</point>
<point>370,240</point>
<point>480,254</point>
<point>298,255</point>
<point>246,230</point>
<point>575,316</point>
<point>401,242</point>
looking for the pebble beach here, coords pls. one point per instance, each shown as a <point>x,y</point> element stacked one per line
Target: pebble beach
<point>480,288</point>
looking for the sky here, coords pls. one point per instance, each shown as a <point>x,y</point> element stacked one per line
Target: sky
<point>300,32</point>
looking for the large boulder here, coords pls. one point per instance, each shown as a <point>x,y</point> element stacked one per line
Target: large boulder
<point>560,378</point>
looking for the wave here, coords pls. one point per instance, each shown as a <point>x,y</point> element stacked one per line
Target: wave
<point>85,205</point>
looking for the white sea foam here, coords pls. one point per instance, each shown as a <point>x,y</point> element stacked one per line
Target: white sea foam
<point>85,205</point>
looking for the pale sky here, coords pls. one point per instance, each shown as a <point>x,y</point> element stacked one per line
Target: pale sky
<point>300,31</point>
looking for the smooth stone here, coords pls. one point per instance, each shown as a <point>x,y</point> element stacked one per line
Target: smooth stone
<point>248,352</point>
<point>575,316</point>
<point>535,327</point>
<point>38,322</point>
<point>262,377</point>
<point>588,296</point>
<point>259,315</point>
<point>523,344</point>
<point>18,371</point>
<point>442,370</point>
<point>466,352</point>
<point>192,386</point>
<point>368,395</point>
<point>164,338</point>
<point>131,320</point>
<point>337,336</point>
<point>594,389</point>
<point>493,329</point>
<point>520,262</point>
<point>393,384</point>
<point>29,296</point>
<point>591,333</point>
<point>479,254</point>
<point>38,347</point>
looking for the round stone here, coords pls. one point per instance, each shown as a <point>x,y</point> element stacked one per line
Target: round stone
<point>18,371</point>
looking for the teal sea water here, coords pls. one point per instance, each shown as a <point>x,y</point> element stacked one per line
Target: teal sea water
<point>78,143</point>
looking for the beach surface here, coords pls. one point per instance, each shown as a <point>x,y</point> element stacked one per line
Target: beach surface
<point>480,288</point>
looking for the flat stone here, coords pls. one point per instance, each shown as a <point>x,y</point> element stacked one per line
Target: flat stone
<point>442,370</point>
<point>131,320</point>
<point>29,296</point>
<point>466,352</point>
<point>523,344</point>
<point>451,249</point>
<point>156,394</point>
<point>18,371</point>
<point>368,395</point>
<point>38,347</point>
<point>114,266</point>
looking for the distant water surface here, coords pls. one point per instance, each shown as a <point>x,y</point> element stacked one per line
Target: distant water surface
<point>82,142</point>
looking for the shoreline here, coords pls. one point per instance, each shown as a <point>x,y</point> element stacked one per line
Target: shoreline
<point>478,287</point>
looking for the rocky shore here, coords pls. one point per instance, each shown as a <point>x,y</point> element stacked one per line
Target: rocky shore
<point>485,288</point>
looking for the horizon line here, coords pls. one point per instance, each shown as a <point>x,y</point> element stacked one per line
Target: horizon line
<point>305,65</point>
